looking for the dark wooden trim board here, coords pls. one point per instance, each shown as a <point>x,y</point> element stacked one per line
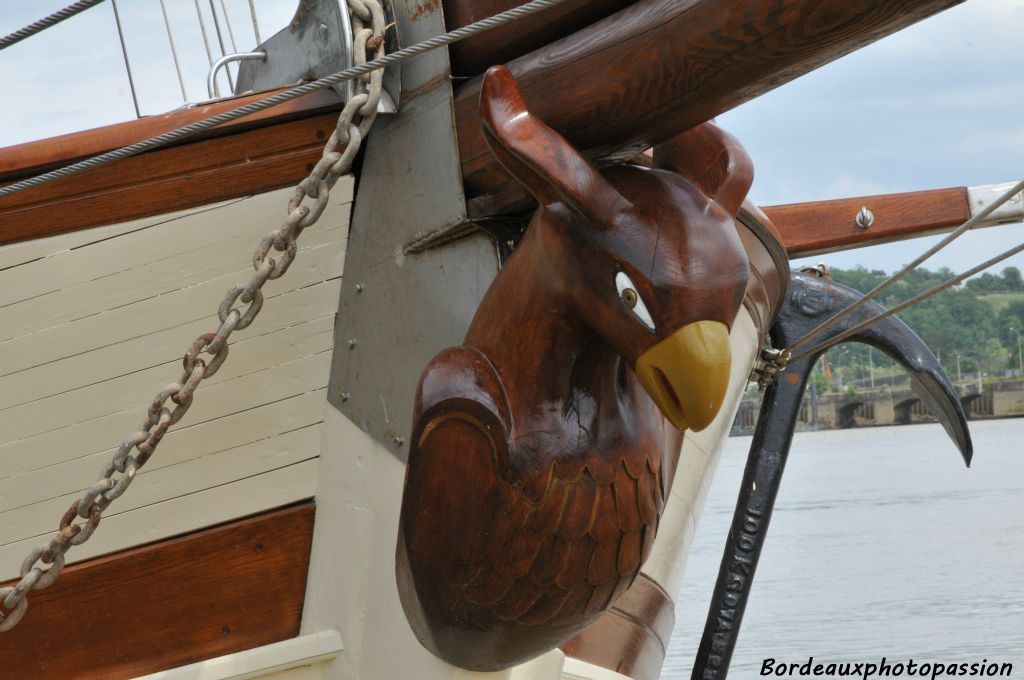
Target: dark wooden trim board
<point>221,590</point>
<point>30,158</point>
<point>169,179</point>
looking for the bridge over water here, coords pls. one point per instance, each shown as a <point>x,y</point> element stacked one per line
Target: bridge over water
<point>890,405</point>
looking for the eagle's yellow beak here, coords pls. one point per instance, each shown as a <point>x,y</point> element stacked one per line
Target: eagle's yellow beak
<point>687,373</point>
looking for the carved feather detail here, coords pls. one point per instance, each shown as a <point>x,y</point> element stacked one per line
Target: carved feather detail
<point>521,553</point>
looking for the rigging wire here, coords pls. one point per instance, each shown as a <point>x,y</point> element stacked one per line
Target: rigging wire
<point>174,51</point>
<point>127,64</point>
<point>46,22</point>
<point>874,292</point>
<point>255,23</point>
<point>231,31</point>
<point>220,40</point>
<point>206,38</point>
<point>328,81</point>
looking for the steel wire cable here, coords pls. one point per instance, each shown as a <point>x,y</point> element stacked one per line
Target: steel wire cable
<point>282,97</point>
<point>46,22</point>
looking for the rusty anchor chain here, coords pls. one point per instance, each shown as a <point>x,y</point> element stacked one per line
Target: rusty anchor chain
<point>237,310</point>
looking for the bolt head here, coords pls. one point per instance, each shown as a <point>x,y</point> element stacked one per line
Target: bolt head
<point>865,218</point>
<point>398,441</point>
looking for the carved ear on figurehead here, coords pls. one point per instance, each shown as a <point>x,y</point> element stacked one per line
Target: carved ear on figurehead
<point>712,159</point>
<point>546,164</point>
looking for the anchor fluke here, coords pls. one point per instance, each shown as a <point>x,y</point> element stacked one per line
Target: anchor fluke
<point>814,299</point>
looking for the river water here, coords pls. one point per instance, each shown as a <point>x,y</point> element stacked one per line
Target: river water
<point>882,544</point>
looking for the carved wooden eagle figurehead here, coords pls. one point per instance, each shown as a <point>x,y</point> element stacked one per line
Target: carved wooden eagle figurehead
<point>544,446</point>
<point>646,260</point>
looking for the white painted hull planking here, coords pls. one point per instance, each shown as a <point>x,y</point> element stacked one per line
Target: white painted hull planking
<point>91,322</point>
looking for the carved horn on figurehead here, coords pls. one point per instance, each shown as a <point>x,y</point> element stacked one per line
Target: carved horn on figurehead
<point>712,159</point>
<point>539,157</point>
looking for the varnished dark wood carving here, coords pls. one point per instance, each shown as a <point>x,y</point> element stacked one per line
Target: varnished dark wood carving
<point>544,446</point>
<point>213,592</point>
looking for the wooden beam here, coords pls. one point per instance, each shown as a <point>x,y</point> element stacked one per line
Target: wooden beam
<point>168,179</point>
<point>474,55</point>
<point>214,592</point>
<point>660,67</point>
<point>826,226</point>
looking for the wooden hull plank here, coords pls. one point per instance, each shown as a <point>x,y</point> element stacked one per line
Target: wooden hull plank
<point>222,590</point>
<point>91,324</point>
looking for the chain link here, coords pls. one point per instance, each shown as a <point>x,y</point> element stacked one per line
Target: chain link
<point>237,311</point>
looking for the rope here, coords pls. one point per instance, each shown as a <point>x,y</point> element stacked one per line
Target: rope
<point>288,95</point>
<point>976,219</point>
<point>46,22</point>
<point>920,297</point>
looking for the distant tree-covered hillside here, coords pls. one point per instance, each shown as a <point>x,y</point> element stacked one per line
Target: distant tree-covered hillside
<point>978,322</point>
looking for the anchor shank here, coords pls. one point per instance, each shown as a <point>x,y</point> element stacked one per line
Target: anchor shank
<point>762,476</point>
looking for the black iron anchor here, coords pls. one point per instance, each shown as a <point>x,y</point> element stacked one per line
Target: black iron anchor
<point>811,300</point>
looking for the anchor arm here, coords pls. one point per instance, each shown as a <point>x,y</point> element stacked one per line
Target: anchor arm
<point>814,299</point>
<point>811,301</point>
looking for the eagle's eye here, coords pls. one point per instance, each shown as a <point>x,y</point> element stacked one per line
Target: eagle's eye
<point>631,298</point>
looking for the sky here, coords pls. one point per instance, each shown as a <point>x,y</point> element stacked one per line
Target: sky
<point>937,105</point>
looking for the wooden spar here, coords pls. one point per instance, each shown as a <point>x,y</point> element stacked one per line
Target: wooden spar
<point>826,226</point>
<point>659,67</point>
<point>473,56</point>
